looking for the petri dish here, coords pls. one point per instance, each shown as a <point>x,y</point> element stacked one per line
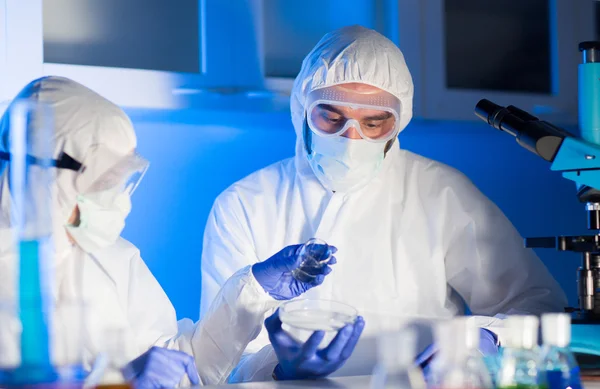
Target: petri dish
<point>301,318</point>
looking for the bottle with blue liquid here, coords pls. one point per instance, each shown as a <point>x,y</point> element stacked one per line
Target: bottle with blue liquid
<point>520,363</point>
<point>31,179</point>
<point>44,357</point>
<point>558,362</point>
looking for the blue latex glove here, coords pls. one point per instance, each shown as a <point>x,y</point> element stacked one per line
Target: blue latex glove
<point>161,368</point>
<point>302,361</point>
<point>488,342</point>
<point>275,274</point>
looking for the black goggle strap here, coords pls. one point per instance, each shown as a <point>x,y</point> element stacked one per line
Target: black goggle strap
<point>65,161</point>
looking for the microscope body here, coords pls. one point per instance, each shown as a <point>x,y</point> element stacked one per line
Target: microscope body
<point>578,159</point>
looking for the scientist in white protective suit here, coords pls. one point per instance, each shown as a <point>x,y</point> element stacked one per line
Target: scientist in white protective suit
<point>415,238</point>
<point>97,170</point>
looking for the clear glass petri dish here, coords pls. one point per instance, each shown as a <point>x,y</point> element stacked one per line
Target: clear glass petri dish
<point>301,318</point>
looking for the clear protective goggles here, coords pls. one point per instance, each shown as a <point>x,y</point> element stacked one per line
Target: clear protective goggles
<point>104,171</point>
<point>333,110</point>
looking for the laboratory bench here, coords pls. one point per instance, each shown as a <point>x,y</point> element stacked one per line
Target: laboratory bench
<point>358,382</point>
<point>339,382</point>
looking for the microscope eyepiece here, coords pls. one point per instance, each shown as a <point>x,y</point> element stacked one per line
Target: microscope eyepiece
<point>497,116</point>
<point>535,135</point>
<point>486,110</point>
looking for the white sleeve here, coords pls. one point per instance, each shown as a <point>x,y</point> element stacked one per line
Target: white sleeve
<point>234,318</point>
<point>218,341</point>
<point>151,314</point>
<point>123,290</point>
<point>228,247</point>
<point>487,264</point>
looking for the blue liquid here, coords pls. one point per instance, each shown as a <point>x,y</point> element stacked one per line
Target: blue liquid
<point>557,380</point>
<point>35,354</point>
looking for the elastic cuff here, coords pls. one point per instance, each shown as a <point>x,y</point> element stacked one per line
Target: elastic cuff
<point>277,373</point>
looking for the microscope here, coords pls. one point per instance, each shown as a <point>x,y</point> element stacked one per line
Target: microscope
<point>578,159</point>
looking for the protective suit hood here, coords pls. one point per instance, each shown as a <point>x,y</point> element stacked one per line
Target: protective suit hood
<point>82,119</point>
<point>350,54</point>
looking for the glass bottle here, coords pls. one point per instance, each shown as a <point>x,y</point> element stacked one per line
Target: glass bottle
<point>558,361</point>
<point>395,367</point>
<point>458,363</point>
<point>112,361</point>
<point>520,363</point>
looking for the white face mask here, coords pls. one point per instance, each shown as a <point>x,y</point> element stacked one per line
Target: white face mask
<point>343,164</point>
<point>99,226</point>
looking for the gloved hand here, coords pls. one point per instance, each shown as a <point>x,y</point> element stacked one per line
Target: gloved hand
<point>488,342</point>
<point>275,274</point>
<point>302,361</point>
<point>161,368</point>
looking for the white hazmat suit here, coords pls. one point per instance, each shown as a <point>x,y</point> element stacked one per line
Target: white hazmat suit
<point>114,282</point>
<point>419,241</point>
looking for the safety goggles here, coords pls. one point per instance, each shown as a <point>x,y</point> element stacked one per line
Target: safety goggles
<point>104,171</point>
<point>332,111</point>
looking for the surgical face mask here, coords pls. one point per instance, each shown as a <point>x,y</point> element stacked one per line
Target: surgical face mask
<point>100,226</point>
<point>342,164</point>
